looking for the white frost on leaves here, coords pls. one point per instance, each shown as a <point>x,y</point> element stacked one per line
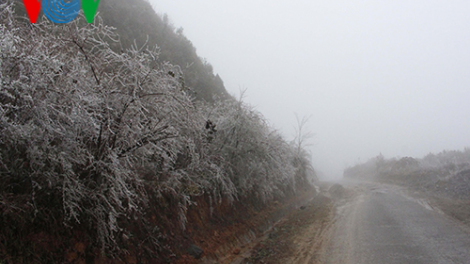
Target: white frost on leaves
<point>107,130</point>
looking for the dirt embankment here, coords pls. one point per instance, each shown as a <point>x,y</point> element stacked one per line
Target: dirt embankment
<point>231,230</point>
<point>300,236</point>
<point>214,232</point>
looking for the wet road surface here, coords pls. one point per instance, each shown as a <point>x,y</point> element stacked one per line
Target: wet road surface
<point>381,224</point>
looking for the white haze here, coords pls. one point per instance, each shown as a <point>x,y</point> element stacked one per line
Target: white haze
<point>390,77</point>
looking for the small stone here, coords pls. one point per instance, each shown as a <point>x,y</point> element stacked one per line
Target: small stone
<point>195,251</point>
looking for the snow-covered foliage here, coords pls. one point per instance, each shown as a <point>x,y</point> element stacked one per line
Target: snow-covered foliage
<point>94,137</point>
<point>451,159</point>
<point>257,160</point>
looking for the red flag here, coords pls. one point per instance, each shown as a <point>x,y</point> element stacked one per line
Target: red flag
<point>32,8</point>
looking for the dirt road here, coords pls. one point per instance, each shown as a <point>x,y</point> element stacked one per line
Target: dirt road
<point>385,224</point>
<point>367,223</point>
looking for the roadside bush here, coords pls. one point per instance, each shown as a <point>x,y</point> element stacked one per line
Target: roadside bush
<point>92,139</point>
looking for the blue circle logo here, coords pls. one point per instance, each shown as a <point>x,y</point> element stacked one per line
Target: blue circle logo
<point>61,11</point>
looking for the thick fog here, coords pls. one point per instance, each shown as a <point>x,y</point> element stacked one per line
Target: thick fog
<point>390,77</point>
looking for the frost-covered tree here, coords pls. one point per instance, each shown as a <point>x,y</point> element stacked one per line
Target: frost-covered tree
<point>257,158</point>
<point>302,158</point>
<point>82,125</point>
<point>102,141</point>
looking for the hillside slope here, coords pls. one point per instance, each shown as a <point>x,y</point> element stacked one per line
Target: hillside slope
<point>137,23</point>
<point>105,157</point>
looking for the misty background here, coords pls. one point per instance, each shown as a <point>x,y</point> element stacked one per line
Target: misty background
<point>375,77</point>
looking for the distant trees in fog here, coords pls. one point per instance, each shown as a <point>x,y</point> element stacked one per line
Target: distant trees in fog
<point>440,166</point>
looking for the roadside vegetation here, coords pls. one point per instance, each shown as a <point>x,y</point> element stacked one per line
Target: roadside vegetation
<point>103,150</point>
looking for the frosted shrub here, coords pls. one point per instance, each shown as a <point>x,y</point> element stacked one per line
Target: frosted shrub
<point>78,121</point>
<point>257,158</point>
<point>96,139</point>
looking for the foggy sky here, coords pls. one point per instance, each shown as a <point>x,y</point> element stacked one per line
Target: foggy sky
<point>390,77</point>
